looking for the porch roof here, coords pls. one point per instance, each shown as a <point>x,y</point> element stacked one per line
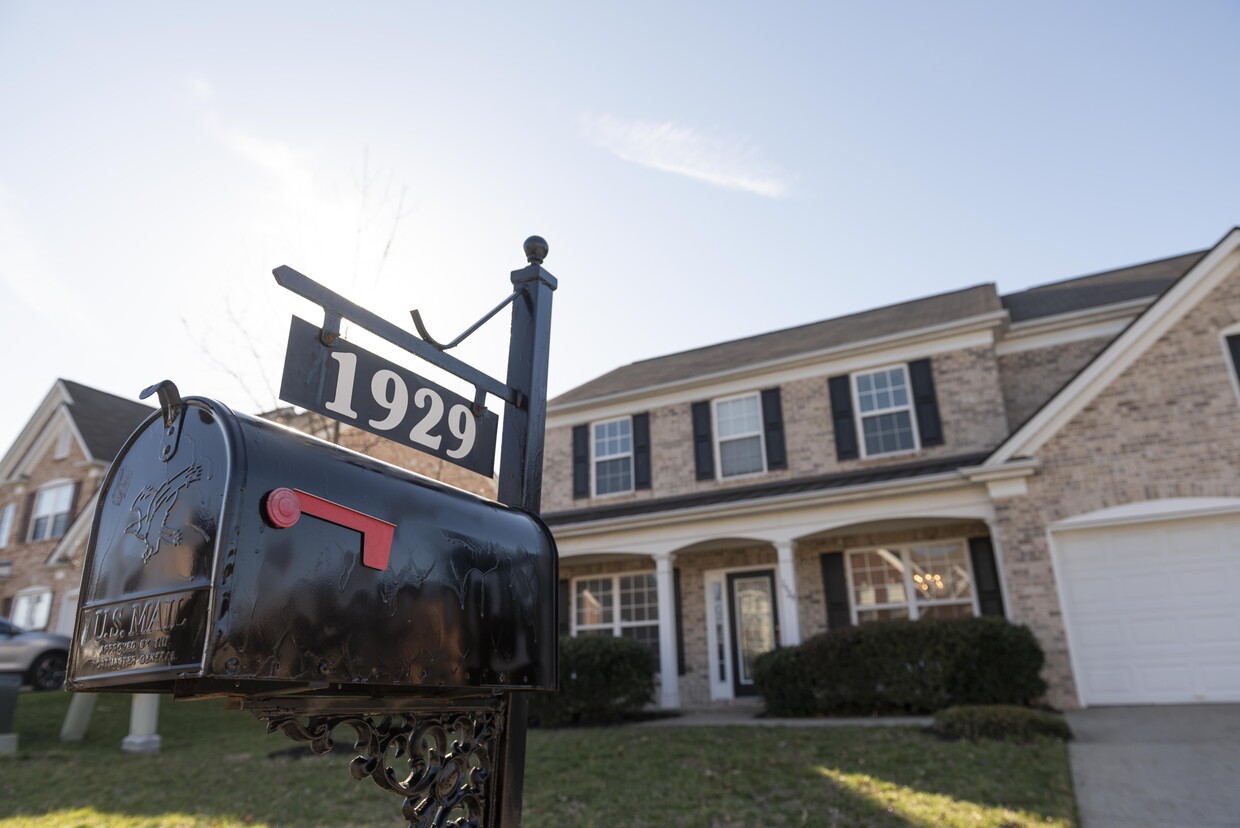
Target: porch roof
<point>838,480</point>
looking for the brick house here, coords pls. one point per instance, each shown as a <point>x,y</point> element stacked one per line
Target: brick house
<point>1065,456</point>
<point>50,476</point>
<point>48,481</point>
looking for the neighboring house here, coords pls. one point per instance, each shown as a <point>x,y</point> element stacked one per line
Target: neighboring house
<point>50,476</point>
<point>48,482</point>
<point>1066,456</point>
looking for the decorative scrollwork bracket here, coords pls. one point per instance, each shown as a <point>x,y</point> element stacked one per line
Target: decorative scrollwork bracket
<point>450,755</point>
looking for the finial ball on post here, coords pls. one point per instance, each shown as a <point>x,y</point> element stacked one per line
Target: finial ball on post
<point>535,249</point>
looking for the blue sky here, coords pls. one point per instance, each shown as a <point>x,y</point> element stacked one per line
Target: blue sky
<point>701,171</point>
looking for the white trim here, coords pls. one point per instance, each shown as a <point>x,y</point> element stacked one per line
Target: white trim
<point>717,440</point>
<point>1065,614</point>
<point>859,416</point>
<point>594,460</point>
<point>1063,328</point>
<point>56,396</point>
<point>864,492</point>
<point>978,331</point>
<point>1146,511</point>
<point>1221,262</point>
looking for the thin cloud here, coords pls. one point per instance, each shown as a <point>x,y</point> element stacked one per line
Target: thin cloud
<point>708,157</point>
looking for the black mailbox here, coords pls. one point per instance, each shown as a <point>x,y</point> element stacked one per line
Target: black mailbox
<point>233,556</point>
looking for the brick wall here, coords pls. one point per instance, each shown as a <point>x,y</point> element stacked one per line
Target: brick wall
<point>971,408</point>
<point>1165,428</point>
<point>1030,378</point>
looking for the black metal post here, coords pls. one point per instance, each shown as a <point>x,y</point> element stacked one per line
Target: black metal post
<point>520,474</point>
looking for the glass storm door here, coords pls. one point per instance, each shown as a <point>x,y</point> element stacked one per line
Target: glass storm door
<point>755,627</point>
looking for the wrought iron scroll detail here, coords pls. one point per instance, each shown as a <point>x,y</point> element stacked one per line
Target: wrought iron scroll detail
<point>451,756</point>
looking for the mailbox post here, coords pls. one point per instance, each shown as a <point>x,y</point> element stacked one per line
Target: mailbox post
<point>318,588</point>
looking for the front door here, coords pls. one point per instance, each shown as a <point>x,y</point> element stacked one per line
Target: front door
<point>754,624</point>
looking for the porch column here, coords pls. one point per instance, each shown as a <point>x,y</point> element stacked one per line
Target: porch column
<point>789,616</point>
<point>669,670</point>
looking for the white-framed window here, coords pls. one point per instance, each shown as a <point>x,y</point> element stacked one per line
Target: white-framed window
<point>927,579</point>
<point>7,515</point>
<point>612,464</point>
<point>32,607</point>
<point>625,605</point>
<point>738,436</point>
<point>884,406</point>
<point>50,517</point>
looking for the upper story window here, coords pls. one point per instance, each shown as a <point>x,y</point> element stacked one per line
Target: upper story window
<point>613,456</point>
<point>6,523</point>
<point>738,426</point>
<point>923,580</point>
<point>885,411</point>
<point>50,516</point>
<point>626,606</point>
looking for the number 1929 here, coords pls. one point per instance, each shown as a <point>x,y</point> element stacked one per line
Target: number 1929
<point>390,393</point>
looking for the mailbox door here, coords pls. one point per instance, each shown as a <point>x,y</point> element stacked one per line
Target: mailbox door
<point>147,580</point>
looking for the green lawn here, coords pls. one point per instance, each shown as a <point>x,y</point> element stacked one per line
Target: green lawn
<point>214,770</point>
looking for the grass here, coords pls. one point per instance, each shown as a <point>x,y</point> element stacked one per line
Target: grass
<point>214,770</point>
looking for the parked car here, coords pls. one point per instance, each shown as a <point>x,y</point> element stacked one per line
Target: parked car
<point>40,657</point>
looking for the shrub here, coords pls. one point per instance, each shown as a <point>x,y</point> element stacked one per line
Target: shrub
<point>910,667</point>
<point>1001,722</point>
<point>781,679</point>
<point>602,679</point>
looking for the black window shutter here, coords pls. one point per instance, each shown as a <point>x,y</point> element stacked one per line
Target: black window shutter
<point>773,426</point>
<point>842,417</point>
<point>680,629</point>
<point>986,575</point>
<point>581,461</point>
<point>703,443</point>
<point>641,451</point>
<point>925,403</point>
<point>1233,345</point>
<point>835,589</point>
<point>563,609</point>
<point>24,534</point>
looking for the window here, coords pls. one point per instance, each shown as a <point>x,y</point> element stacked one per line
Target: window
<point>50,517</point>
<point>613,457</point>
<point>738,422</point>
<point>622,605</point>
<point>31,608</point>
<point>6,523</point>
<point>922,580</point>
<point>885,411</point>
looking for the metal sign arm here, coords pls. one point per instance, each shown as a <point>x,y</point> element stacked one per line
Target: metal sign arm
<point>336,306</point>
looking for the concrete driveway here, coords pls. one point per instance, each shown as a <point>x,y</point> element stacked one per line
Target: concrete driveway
<point>1165,766</point>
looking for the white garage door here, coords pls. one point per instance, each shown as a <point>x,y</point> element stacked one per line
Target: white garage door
<point>1153,610</point>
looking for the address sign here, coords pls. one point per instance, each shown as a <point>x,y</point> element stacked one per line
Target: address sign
<point>354,386</point>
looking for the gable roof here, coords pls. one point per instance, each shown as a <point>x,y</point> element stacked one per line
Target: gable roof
<point>101,421</point>
<point>1107,288</point>
<point>104,420</point>
<point>872,324</point>
<point>1185,293</point>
